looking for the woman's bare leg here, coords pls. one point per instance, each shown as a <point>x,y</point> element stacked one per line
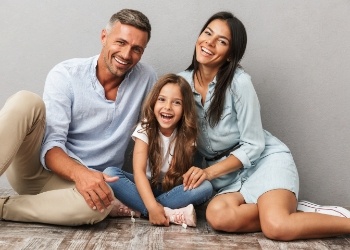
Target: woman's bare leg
<point>229,213</point>
<point>280,221</point>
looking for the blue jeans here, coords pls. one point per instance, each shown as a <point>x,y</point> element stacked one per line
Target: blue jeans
<point>125,190</point>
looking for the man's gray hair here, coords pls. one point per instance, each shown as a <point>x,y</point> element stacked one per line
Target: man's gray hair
<point>130,17</point>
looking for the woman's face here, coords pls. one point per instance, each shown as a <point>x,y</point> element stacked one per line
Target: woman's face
<point>213,44</point>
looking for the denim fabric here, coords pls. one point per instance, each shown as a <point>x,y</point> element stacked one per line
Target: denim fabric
<point>125,190</point>
<point>80,120</point>
<point>240,123</point>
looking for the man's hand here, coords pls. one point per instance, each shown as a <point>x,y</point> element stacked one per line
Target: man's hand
<point>92,186</point>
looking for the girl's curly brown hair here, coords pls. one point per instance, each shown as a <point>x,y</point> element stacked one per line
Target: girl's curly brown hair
<point>184,139</point>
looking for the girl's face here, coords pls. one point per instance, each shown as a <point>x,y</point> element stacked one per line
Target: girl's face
<point>213,44</point>
<point>168,108</point>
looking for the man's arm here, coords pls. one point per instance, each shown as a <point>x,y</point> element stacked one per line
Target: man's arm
<point>59,97</point>
<point>90,184</point>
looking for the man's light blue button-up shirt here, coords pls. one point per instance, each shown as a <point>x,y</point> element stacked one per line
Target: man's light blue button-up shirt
<point>82,122</point>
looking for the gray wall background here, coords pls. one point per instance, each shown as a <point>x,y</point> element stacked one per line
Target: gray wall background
<point>298,55</point>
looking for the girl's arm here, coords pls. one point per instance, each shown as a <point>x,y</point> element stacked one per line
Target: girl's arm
<point>155,210</point>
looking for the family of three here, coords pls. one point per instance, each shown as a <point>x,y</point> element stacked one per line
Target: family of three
<point>197,133</point>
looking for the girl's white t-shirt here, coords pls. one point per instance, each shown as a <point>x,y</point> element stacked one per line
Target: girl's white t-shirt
<point>167,152</point>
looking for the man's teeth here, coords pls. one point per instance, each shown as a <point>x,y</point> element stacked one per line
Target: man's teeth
<point>119,61</point>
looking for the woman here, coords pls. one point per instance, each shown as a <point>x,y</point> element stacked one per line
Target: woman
<point>252,171</point>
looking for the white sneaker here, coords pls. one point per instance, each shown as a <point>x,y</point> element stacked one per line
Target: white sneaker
<point>185,216</point>
<point>306,206</point>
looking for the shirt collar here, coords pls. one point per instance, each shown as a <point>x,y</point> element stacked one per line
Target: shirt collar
<point>213,82</point>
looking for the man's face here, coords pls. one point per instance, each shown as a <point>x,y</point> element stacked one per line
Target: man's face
<point>122,48</point>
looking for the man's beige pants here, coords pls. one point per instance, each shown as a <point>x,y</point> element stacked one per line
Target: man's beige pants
<point>43,196</point>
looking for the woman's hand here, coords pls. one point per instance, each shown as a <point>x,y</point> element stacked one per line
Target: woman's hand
<point>157,216</point>
<point>194,177</point>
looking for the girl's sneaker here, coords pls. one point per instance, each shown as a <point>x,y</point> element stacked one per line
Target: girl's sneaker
<point>185,216</point>
<point>306,206</point>
<point>120,210</point>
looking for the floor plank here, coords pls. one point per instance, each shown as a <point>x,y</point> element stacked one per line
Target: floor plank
<point>121,233</point>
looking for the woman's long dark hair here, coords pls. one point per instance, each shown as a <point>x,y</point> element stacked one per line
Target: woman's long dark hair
<point>226,72</point>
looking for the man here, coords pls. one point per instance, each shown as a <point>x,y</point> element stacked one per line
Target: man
<point>92,106</point>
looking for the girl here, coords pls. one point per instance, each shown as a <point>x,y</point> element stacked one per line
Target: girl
<point>252,171</point>
<point>163,152</point>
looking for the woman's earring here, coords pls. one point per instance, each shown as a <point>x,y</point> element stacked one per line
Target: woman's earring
<point>228,59</point>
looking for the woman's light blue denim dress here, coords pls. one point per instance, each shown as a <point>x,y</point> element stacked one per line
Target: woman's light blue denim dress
<point>267,162</point>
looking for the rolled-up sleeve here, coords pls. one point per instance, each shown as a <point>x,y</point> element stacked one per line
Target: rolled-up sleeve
<point>249,123</point>
<point>58,100</point>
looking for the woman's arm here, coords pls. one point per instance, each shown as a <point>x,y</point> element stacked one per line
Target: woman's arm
<point>195,176</point>
<point>228,165</point>
<point>246,105</point>
<point>155,210</point>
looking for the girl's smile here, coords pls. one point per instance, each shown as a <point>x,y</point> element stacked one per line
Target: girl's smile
<point>168,108</point>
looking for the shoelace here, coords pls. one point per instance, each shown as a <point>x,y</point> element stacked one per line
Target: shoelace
<point>126,212</point>
<point>132,213</point>
<point>179,218</point>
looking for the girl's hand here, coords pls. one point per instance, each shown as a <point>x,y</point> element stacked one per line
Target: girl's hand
<point>194,177</point>
<point>157,216</point>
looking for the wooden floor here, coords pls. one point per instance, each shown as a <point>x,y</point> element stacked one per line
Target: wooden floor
<point>123,234</point>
